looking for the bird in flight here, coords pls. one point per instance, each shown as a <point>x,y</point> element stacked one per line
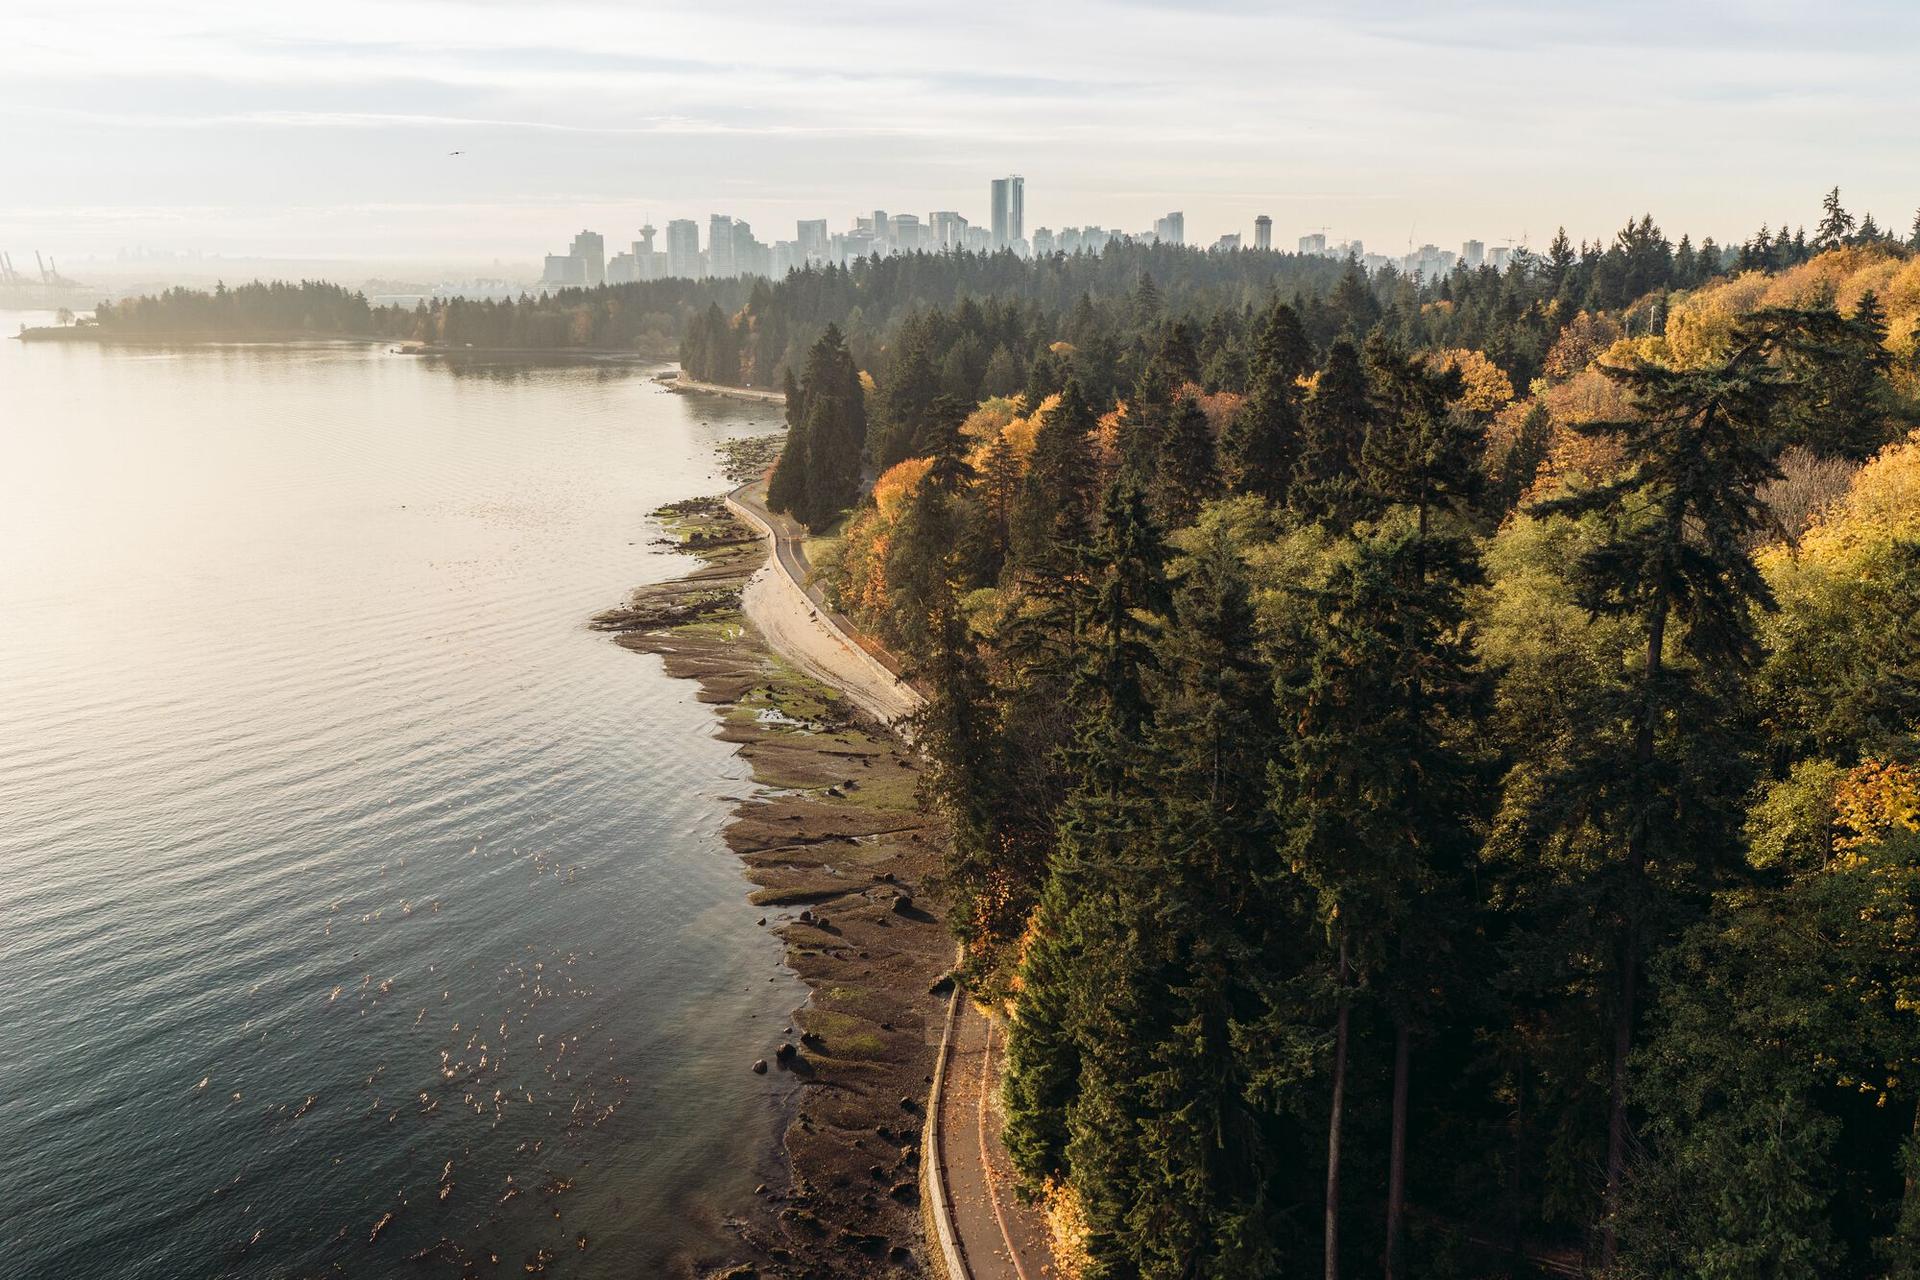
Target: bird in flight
<point>456,153</point>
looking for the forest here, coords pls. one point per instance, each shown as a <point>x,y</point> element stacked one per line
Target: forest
<point>1433,768</point>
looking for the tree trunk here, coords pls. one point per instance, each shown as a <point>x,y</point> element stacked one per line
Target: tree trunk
<point>1617,1100</point>
<point>1516,1176</point>
<point>1333,1125</point>
<point>1637,835</point>
<point>1910,1197</point>
<point>1397,1154</point>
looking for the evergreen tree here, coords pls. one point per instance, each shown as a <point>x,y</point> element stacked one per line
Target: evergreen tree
<point>1053,520</point>
<point>1353,302</point>
<point>906,396</point>
<point>1066,1097</point>
<point>788,487</point>
<point>1209,931</point>
<point>1683,514</point>
<point>1839,400</point>
<point>1836,224</point>
<point>818,474</point>
<point>1260,447</point>
<point>1334,433</point>
<point>1521,463</point>
<point>1188,474</point>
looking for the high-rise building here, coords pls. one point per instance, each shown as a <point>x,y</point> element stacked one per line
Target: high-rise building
<point>1428,262</point>
<point>563,271</point>
<point>1009,202</point>
<point>1499,256</point>
<point>949,230</point>
<point>1263,232</point>
<point>881,226</point>
<point>849,246</point>
<point>720,246</point>
<point>645,265</point>
<point>1227,243</point>
<point>1472,254</point>
<point>904,231</point>
<point>623,268</point>
<point>1315,244</point>
<point>750,257</point>
<point>1043,243</point>
<point>812,243</point>
<point>592,252</point>
<point>683,249</point>
<point>1171,229</point>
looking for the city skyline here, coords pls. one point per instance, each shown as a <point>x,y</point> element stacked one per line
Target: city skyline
<point>733,249</point>
<point>329,133</point>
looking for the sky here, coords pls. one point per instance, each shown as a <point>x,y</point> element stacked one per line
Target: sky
<point>322,130</point>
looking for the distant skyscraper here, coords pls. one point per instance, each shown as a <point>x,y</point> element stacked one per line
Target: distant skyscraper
<point>644,266</point>
<point>1315,244</point>
<point>683,249</point>
<point>750,257</point>
<point>1263,232</point>
<point>720,246</point>
<point>563,270</point>
<point>1171,229</point>
<point>904,230</point>
<point>1228,242</point>
<point>881,226</point>
<point>1473,253</point>
<point>1043,242</point>
<point>949,230</point>
<point>812,242</point>
<point>1009,210</point>
<point>592,252</point>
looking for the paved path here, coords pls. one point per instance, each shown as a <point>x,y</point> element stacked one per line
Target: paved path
<point>996,1237</point>
<point>795,619</point>
<point>1000,1238</point>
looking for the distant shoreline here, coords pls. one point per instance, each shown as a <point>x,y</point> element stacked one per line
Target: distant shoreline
<point>679,383</point>
<point>291,337</point>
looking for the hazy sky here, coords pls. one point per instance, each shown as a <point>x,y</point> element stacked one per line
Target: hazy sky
<point>322,128</point>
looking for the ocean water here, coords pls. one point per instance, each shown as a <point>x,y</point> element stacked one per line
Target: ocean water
<point>343,871</point>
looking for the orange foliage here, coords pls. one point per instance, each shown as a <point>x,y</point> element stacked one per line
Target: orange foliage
<point>1219,407</point>
<point>892,489</point>
<point>1589,396</point>
<point>1485,386</point>
<point>1584,338</point>
<point>1875,800</point>
<point>863,551</point>
<point>999,420</point>
<point>1700,324</point>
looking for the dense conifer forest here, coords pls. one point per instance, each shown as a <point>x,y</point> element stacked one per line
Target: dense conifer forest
<point>1434,770</point>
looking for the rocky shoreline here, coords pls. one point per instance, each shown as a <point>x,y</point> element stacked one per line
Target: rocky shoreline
<point>843,860</point>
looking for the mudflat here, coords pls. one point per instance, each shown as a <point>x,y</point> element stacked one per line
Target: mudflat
<point>844,860</point>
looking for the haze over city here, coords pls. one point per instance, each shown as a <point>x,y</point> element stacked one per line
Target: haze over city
<point>317,132</point>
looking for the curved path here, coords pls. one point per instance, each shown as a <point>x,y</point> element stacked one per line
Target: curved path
<point>981,1230</point>
<point>796,620</point>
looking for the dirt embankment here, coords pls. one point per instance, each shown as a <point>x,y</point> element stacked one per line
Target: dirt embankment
<point>842,857</point>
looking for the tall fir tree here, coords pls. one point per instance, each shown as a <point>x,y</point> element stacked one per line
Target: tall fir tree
<point>1683,514</point>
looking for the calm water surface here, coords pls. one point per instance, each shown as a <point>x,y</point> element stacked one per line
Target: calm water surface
<point>343,872</point>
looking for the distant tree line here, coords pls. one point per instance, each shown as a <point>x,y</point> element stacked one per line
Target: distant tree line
<point>628,317</point>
